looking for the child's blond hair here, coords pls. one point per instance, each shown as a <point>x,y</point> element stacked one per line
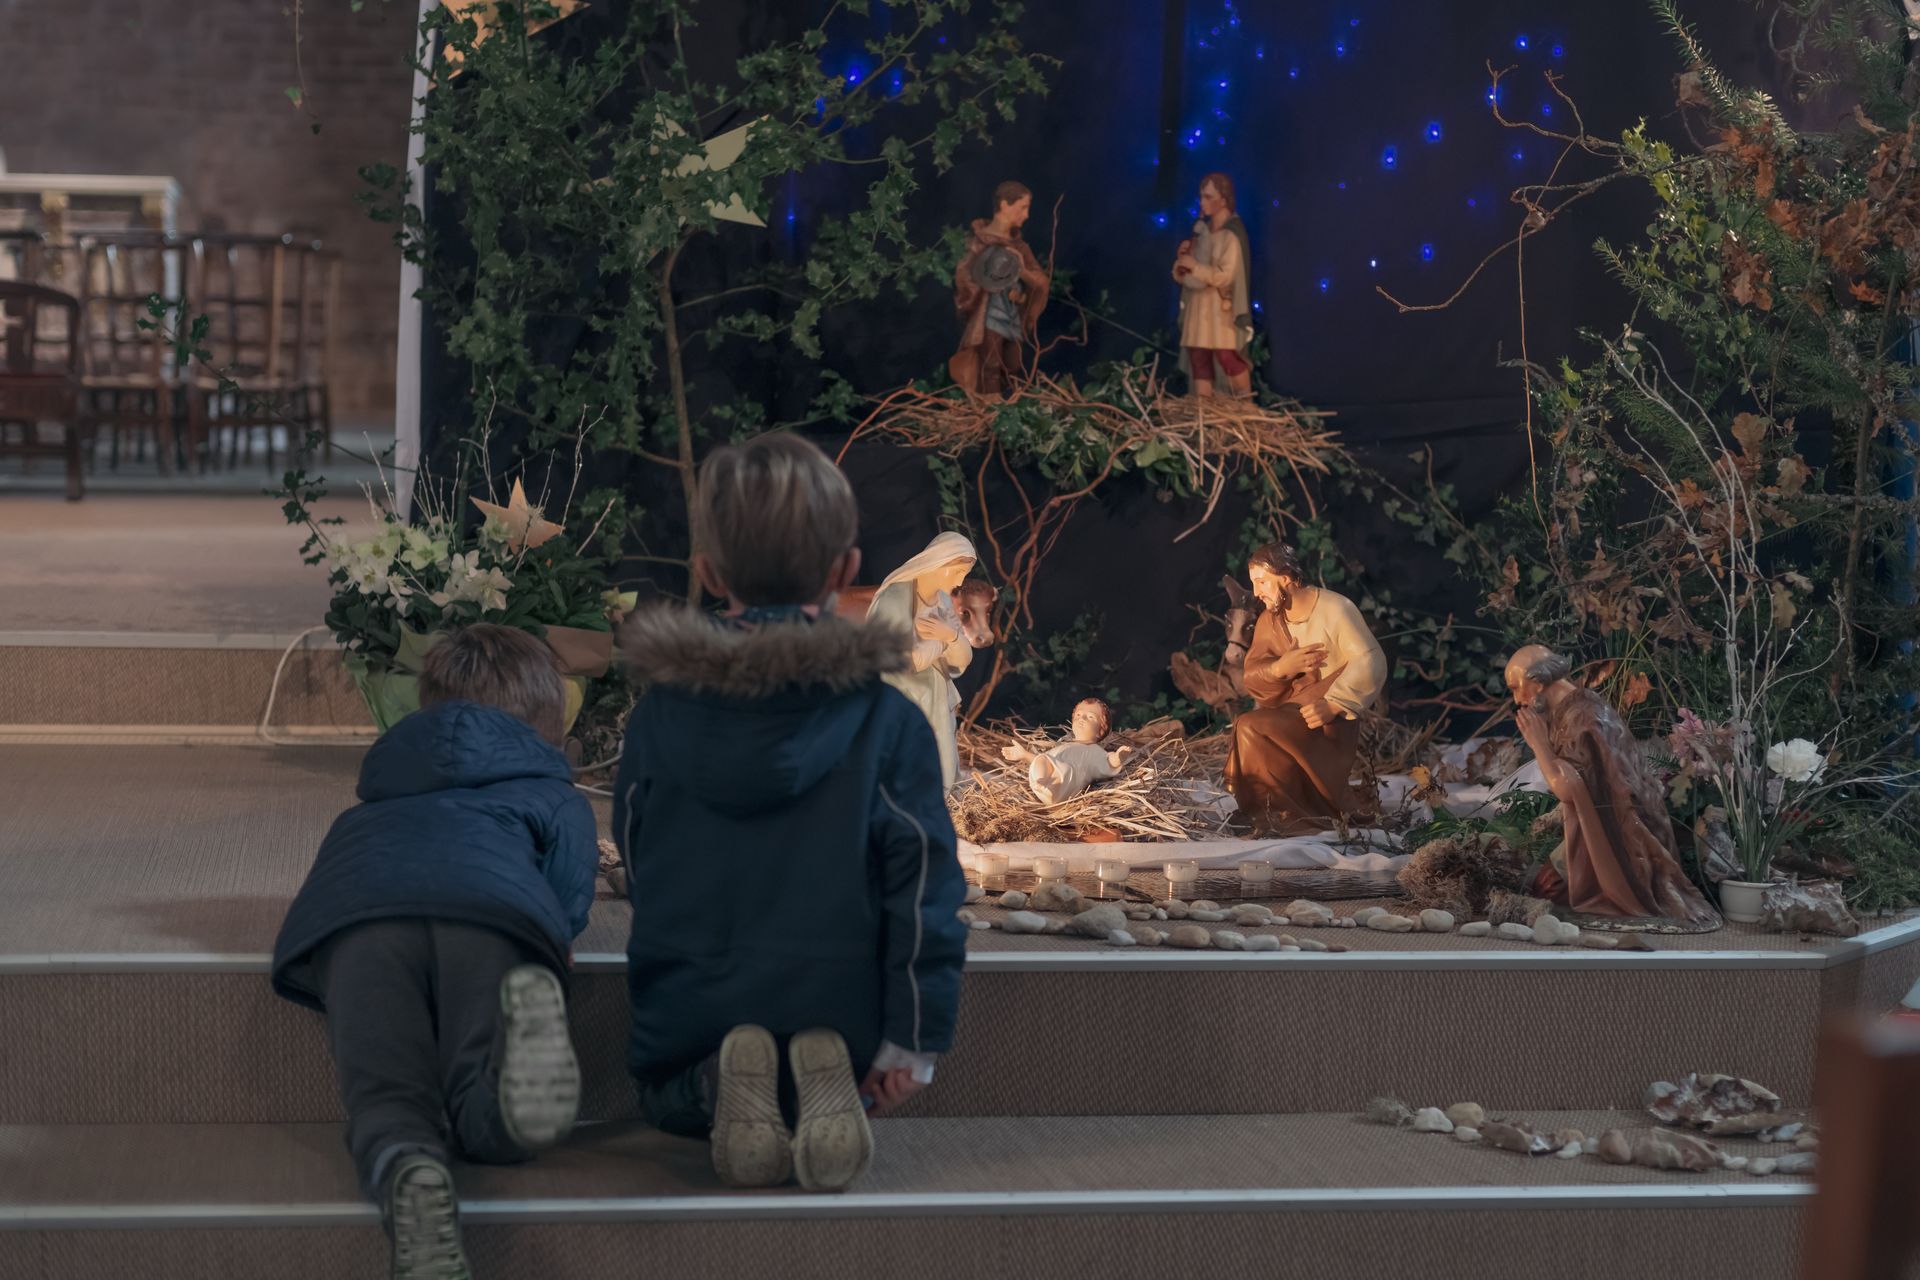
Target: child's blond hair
<point>773,517</point>
<point>501,667</point>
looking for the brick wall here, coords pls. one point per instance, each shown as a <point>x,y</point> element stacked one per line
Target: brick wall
<point>196,89</point>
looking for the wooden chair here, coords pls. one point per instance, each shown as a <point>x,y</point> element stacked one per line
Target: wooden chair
<point>40,376</point>
<point>130,380</point>
<point>265,300</point>
<point>1865,1220</point>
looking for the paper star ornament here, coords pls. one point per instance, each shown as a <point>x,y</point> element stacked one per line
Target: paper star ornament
<point>524,525</point>
<point>484,18</point>
<point>718,152</point>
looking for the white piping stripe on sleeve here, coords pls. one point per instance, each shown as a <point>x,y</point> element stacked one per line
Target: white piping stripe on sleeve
<point>919,903</point>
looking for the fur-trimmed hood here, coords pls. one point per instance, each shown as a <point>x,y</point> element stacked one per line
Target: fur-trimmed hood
<point>751,719</point>
<point>688,650</point>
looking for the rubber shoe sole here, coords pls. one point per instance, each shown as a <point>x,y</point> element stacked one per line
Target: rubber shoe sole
<point>832,1144</point>
<point>539,1074</point>
<point>425,1222</point>
<point>752,1146</point>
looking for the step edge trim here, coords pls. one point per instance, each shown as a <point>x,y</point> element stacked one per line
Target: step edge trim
<point>698,1208</point>
<point>267,640</point>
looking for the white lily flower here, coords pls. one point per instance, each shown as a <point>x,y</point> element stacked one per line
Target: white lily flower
<point>1797,760</point>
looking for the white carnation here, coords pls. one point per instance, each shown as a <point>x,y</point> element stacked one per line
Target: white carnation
<point>1797,760</point>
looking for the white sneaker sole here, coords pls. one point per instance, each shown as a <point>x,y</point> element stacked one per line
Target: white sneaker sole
<point>751,1144</point>
<point>539,1074</point>
<point>425,1223</point>
<point>832,1144</point>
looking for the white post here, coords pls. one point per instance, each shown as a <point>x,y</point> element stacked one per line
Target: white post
<point>406,381</point>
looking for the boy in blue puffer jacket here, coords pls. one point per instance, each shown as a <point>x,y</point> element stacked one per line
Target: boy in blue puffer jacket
<point>433,929</point>
<point>782,815</point>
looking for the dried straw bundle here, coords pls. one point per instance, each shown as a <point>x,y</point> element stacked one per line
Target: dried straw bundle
<point>1154,798</point>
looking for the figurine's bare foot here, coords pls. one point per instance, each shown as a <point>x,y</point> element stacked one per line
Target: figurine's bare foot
<point>1241,385</point>
<point>1202,389</point>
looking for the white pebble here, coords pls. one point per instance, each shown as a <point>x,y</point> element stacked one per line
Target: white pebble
<point>965,916</point>
<point>1514,932</point>
<point>981,924</point>
<point>975,893</point>
<point>1546,931</point>
<point>1569,931</point>
<point>1570,1151</point>
<point>1468,1114</point>
<point>1346,922</point>
<point>1599,941</point>
<point>1201,913</point>
<point>1121,938</point>
<point>1024,922</point>
<point>1431,1120</point>
<point>1206,904</point>
<point>1261,942</point>
<point>1365,914</point>
<point>1387,923</point>
<point>1465,1133</point>
<point>1228,940</point>
<point>1159,913</point>
<point>1013,899</point>
<point>1476,929</point>
<point>1282,921</point>
<point>1433,921</point>
<point>1734,1164</point>
<point>1761,1166</point>
<point>1306,944</point>
<point>1289,948</point>
<point>1798,1162</point>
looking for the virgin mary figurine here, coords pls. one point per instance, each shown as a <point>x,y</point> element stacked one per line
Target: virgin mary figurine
<point>919,595</point>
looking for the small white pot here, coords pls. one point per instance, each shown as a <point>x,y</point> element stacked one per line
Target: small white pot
<point>1740,900</point>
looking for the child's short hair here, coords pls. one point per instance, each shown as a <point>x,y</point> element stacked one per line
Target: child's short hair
<point>502,667</point>
<point>772,516</point>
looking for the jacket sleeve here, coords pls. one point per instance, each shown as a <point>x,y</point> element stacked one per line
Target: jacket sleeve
<point>626,792</point>
<point>572,857</point>
<point>924,942</point>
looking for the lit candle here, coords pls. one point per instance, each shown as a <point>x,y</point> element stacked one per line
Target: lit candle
<point>1049,869</point>
<point>1256,875</point>
<point>1113,873</point>
<point>992,870</point>
<point>1182,876</point>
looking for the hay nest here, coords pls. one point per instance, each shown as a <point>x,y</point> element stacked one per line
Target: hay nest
<point>1169,790</point>
<point>1462,873</point>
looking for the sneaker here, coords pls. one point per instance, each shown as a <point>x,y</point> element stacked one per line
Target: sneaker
<point>424,1222</point>
<point>539,1076</point>
<point>832,1144</point>
<point>752,1146</point>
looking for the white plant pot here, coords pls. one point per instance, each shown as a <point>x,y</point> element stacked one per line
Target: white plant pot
<point>1740,900</point>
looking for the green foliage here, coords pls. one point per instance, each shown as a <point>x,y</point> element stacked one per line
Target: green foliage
<point>1513,820</point>
<point>572,210</point>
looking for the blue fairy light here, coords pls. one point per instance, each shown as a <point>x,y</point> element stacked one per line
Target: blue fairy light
<point>853,75</point>
<point>1353,22</point>
<point>792,217</point>
<point>1340,49</point>
<point>1341,184</point>
<point>1520,41</point>
<point>1426,253</point>
<point>1293,73</point>
<point>1546,108</point>
<point>896,82</point>
<point>1518,154</point>
<point>1159,219</point>
<point>1472,203</point>
<point>1389,157</point>
<point>1433,131</point>
<point>1559,51</point>
<point>1260,51</point>
<point>1326,284</point>
<point>1223,84</point>
<point>1373,264</point>
<point>1258,307</point>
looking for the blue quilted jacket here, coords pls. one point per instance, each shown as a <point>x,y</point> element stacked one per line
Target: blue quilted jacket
<point>466,814</point>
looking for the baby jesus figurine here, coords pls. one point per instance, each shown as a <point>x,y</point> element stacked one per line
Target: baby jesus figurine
<point>1065,771</point>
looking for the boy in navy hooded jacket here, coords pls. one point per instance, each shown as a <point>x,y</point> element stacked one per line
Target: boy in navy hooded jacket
<point>433,930</point>
<point>782,815</point>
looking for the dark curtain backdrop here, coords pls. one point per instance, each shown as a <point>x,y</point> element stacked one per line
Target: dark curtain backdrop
<point>1364,150</point>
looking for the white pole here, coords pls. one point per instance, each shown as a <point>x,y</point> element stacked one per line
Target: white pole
<point>406,382</point>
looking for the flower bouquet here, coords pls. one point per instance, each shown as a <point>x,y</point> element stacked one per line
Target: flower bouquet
<point>399,592</point>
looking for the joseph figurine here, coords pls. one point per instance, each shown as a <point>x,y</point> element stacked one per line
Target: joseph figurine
<point>999,290</point>
<point>1312,669</point>
<point>1619,857</point>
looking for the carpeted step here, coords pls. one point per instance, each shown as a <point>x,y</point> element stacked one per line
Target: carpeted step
<point>1315,1195</point>
<point>93,679</point>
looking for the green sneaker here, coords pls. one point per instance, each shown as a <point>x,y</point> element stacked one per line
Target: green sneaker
<point>539,1075</point>
<point>424,1221</point>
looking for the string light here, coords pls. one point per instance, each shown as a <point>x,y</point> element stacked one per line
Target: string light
<point>1426,253</point>
<point>1390,158</point>
<point>1326,284</point>
<point>1433,131</point>
<point>1520,41</point>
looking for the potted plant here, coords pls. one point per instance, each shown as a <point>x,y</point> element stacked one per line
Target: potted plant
<point>398,592</point>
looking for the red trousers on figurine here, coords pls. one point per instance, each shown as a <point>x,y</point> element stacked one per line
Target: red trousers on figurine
<point>1202,359</point>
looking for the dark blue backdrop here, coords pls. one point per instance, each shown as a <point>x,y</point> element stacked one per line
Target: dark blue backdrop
<point>1363,144</point>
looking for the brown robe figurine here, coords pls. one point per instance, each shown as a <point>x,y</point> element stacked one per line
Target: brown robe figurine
<point>999,290</point>
<point>1312,669</point>
<point>1620,858</point>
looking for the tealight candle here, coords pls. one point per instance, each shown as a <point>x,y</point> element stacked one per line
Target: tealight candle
<point>991,868</point>
<point>1113,873</point>
<point>1256,875</point>
<point>1182,876</point>
<point>1048,869</point>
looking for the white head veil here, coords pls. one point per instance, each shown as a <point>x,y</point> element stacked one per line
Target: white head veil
<point>945,549</point>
